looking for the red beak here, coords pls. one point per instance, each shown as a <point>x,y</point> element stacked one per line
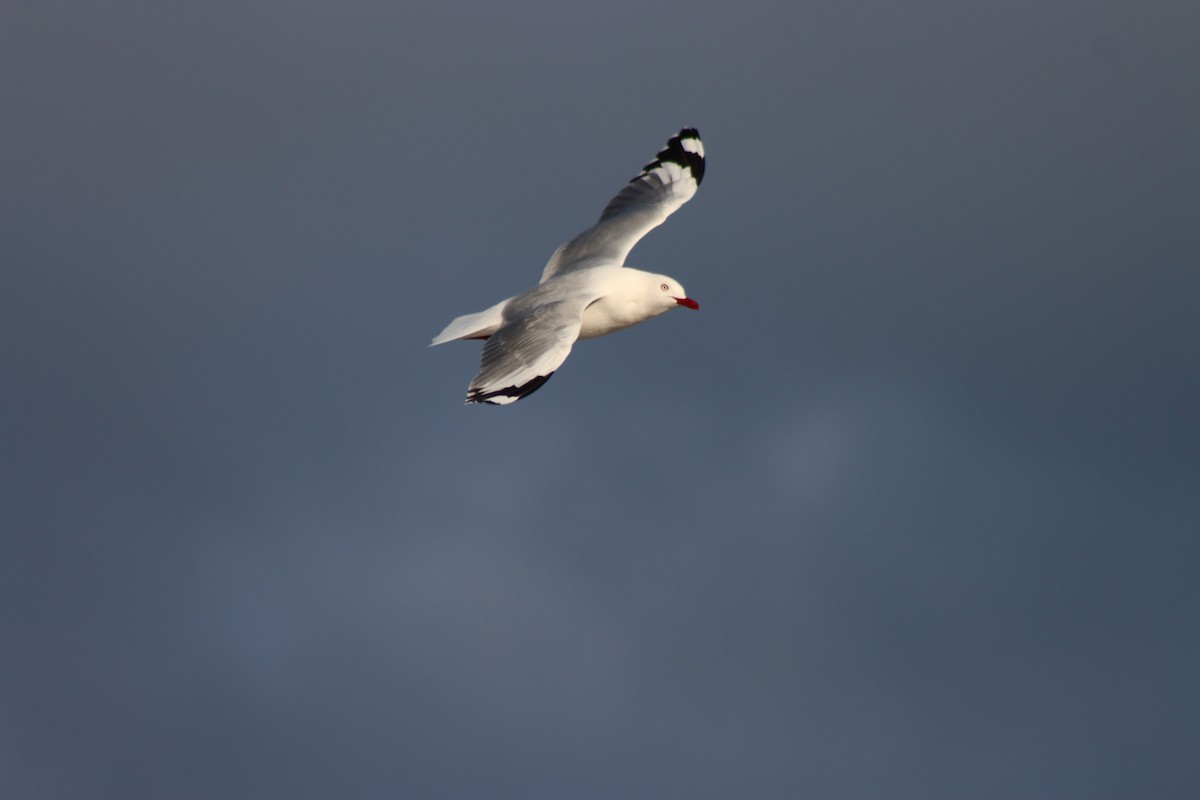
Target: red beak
<point>688,302</point>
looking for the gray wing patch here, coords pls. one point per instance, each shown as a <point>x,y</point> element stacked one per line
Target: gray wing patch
<point>671,179</point>
<point>525,352</point>
<point>663,185</point>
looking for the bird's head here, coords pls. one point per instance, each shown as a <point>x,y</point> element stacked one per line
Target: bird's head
<point>669,293</point>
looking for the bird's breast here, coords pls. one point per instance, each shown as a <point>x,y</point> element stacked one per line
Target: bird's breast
<point>609,314</point>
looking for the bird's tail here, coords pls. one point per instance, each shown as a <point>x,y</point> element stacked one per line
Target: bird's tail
<point>473,326</point>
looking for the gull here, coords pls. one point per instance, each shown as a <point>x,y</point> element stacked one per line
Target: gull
<point>586,289</point>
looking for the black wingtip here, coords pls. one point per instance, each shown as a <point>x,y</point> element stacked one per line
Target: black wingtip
<point>513,393</point>
<point>676,153</point>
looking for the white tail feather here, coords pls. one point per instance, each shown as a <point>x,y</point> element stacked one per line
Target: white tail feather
<point>473,326</point>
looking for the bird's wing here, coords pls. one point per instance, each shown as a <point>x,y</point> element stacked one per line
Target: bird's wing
<point>522,355</point>
<point>664,185</point>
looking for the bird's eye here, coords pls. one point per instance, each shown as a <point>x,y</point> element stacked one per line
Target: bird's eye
<point>664,287</point>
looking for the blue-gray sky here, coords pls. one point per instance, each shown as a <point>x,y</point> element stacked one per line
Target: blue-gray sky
<point>908,509</point>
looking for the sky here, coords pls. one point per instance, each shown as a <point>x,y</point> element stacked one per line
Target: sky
<point>907,509</point>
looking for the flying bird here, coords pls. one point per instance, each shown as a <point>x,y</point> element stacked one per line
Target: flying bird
<point>586,290</point>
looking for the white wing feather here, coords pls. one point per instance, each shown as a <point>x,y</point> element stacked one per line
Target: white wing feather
<point>666,183</point>
<point>522,355</point>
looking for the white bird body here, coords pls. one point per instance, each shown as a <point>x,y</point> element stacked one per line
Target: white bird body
<point>586,290</point>
<point>632,296</point>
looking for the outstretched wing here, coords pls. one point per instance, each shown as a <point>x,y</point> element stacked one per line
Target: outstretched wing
<point>522,355</point>
<point>664,185</point>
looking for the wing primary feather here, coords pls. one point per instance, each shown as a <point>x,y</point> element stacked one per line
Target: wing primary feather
<point>663,185</point>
